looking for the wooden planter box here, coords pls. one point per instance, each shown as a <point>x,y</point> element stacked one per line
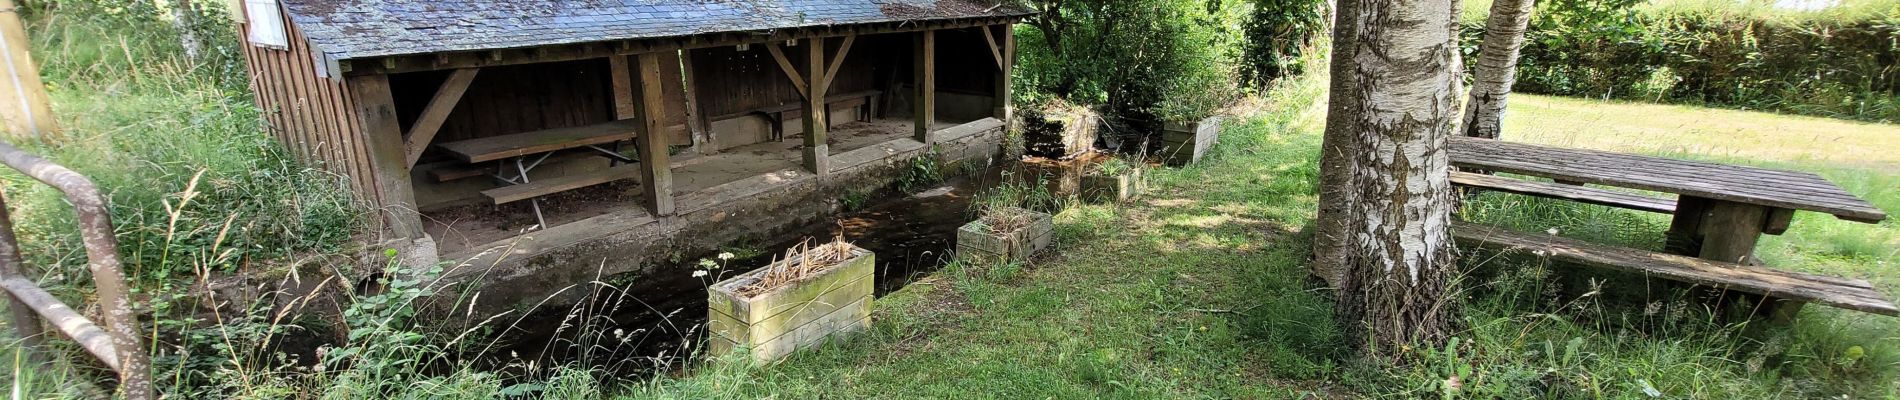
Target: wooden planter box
<point>1185,144</point>
<point>975,243</point>
<point>1101,188</point>
<point>795,316</point>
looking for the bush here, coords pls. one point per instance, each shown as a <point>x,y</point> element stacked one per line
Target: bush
<point>1145,61</point>
<point>1278,33</point>
<point>1838,62</point>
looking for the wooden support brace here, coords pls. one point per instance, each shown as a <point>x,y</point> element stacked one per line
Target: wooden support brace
<point>437,112</point>
<point>925,87</point>
<point>837,59</point>
<point>785,64</point>
<point>996,52</point>
<point>620,72</point>
<point>656,169</point>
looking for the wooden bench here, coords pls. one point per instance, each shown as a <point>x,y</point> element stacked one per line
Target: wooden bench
<point>1851,294</point>
<point>547,186</point>
<point>542,146</point>
<point>781,114</point>
<point>1560,191</point>
<point>494,148</point>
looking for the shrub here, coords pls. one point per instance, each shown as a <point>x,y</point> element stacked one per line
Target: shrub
<point>1147,61</point>
<point>1838,62</point>
<point>1278,34</point>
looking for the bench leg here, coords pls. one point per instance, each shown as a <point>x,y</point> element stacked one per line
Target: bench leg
<point>1781,312</point>
<point>1685,228</point>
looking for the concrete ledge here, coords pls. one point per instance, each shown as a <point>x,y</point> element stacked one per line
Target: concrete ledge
<point>628,243</point>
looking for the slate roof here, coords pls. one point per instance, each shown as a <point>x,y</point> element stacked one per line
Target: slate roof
<point>350,29</point>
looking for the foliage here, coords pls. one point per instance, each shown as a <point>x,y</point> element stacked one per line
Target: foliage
<point>1147,61</point>
<point>1750,54</point>
<point>178,147</point>
<point>1278,34</point>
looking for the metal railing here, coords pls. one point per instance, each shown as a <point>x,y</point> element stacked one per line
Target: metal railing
<point>118,345</point>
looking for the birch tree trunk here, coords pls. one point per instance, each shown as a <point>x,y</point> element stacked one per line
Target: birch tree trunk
<point>1335,160</point>
<point>1497,66</point>
<point>185,19</point>
<point>1397,293</point>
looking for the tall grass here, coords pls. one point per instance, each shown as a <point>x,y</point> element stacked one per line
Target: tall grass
<point>176,144</point>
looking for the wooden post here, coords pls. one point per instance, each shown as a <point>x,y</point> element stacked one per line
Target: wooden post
<point>696,120</point>
<point>382,133</point>
<point>1685,228</point>
<point>1007,53</point>
<point>656,168</point>
<point>27,112</point>
<point>817,149</point>
<point>925,87</point>
<point>1730,230</point>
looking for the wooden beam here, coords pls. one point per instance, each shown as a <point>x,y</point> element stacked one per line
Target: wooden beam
<point>620,72</point>
<point>656,170</point>
<point>996,52</point>
<point>1004,77</point>
<point>437,112</point>
<point>925,87</point>
<point>786,65</point>
<point>817,148</point>
<point>696,120</point>
<point>382,133</point>
<point>571,52</point>
<point>837,59</point>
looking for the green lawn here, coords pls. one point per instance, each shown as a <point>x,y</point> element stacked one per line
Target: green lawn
<point>1200,290</point>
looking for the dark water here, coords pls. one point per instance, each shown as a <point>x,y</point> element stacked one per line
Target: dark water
<point>649,325</point>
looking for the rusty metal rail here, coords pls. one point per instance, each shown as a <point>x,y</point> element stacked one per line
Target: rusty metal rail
<point>118,344</point>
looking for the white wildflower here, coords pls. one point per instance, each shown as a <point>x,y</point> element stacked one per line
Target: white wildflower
<point>699,273</point>
<point>725,256</point>
<point>1552,231</point>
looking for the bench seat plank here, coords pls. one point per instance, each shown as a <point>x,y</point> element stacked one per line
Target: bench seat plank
<point>789,107</point>
<point>520,144</point>
<point>543,187</point>
<point>1852,294</point>
<point>1565,192</point>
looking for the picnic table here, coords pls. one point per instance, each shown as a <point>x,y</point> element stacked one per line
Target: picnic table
<point>528,150</point>
<point>1718,214</point>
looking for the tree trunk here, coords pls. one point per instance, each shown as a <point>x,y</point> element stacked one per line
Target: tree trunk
<point>1335,160</point>
<point>1497,66</point>
<point>186,20</point>
<point>1398,293</point>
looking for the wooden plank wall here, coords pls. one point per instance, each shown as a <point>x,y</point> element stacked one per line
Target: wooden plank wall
<point>311,115</point>
<point>511,99</point>
<point>733,81</point>
<point>530,97</point>
<point>964,62</point>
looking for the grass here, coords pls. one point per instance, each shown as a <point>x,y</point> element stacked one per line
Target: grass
<point>1200,291</point>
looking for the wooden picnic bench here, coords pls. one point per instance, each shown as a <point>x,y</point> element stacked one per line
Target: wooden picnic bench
<point>782,114</point>
<point>1719,213</point>
<point>528,150</point>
